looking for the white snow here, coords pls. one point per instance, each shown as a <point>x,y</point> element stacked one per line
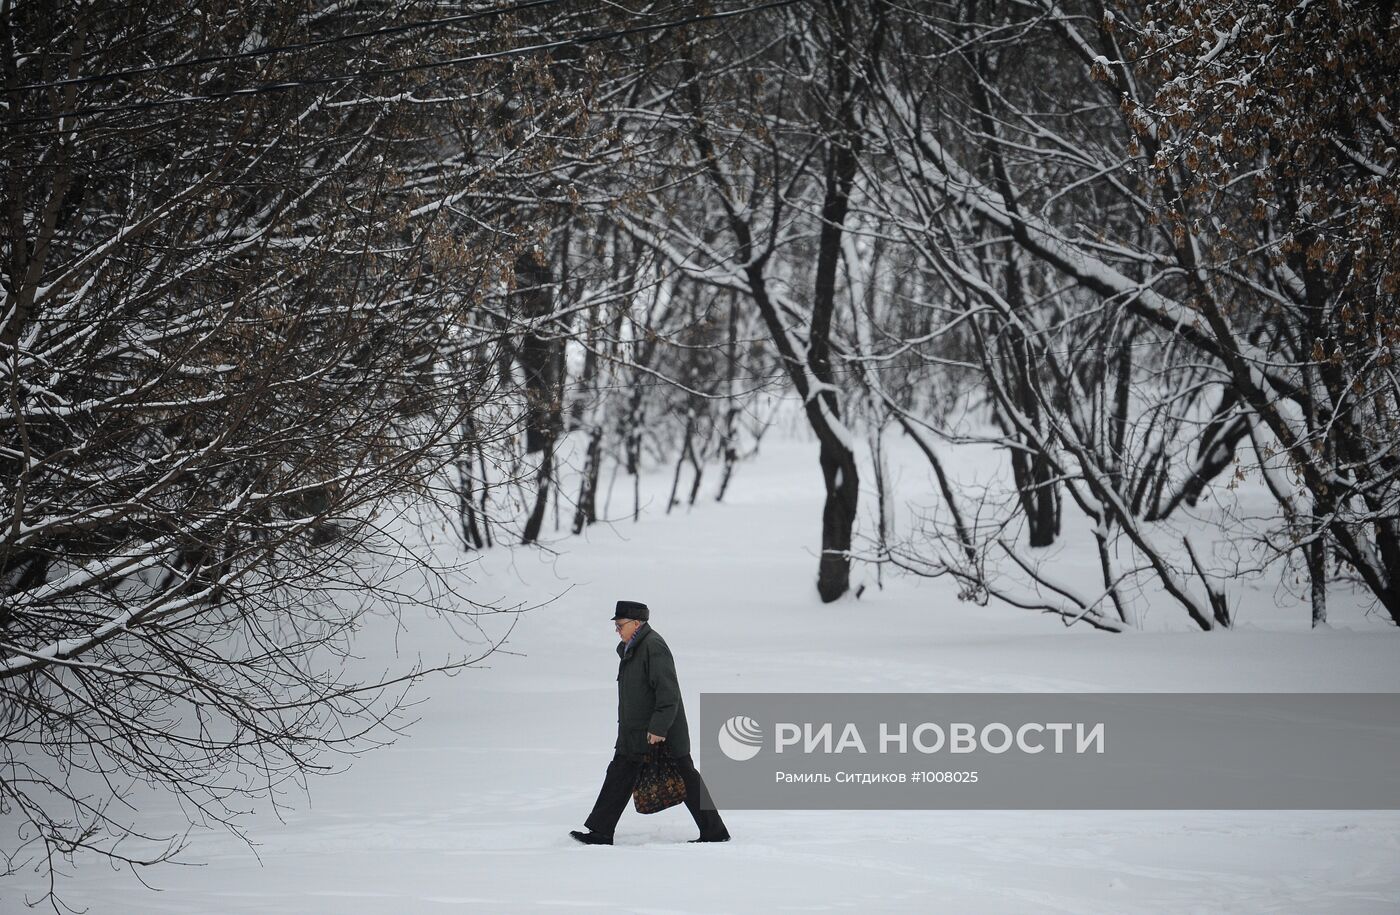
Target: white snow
<point>471,810</point>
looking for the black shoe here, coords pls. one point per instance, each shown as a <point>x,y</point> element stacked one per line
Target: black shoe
<point>704,839</point>
<point>590,838</point>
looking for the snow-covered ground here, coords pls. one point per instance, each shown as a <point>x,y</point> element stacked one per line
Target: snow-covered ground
<point>470,810</point>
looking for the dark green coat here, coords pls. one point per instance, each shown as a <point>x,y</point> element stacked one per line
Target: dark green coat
<point>649,696</point>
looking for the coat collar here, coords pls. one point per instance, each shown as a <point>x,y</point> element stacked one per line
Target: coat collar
<point>641,634</point>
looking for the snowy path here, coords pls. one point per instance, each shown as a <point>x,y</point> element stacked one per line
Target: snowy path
<point>470,811</point>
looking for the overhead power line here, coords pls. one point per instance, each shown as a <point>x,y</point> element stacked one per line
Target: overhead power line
<point>576,40</point>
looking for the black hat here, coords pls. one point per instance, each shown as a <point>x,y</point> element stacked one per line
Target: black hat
<point>631,610</point>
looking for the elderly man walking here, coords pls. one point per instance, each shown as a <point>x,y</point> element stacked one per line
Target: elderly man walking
<point>649,711</point>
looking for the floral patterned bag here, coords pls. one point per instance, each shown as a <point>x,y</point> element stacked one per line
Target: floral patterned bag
<point>659,784</point>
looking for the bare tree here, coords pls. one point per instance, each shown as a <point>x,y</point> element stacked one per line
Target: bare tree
<point>768,134</point>
<point>234,286</point>
<point>1140,303</point>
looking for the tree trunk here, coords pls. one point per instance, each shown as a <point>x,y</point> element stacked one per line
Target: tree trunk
<point>838,519</point>
<point>586,512</point>
<point>1316,555</point>
<point>536,519</point>
<point>729,452</point>
<point>532,280</point>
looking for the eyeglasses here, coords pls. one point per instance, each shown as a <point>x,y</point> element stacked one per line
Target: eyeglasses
<point>618,625</point>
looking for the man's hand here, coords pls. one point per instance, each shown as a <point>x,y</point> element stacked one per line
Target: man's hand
<point>652,738</point>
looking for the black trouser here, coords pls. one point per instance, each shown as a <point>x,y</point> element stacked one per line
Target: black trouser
<point>617,791</point>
